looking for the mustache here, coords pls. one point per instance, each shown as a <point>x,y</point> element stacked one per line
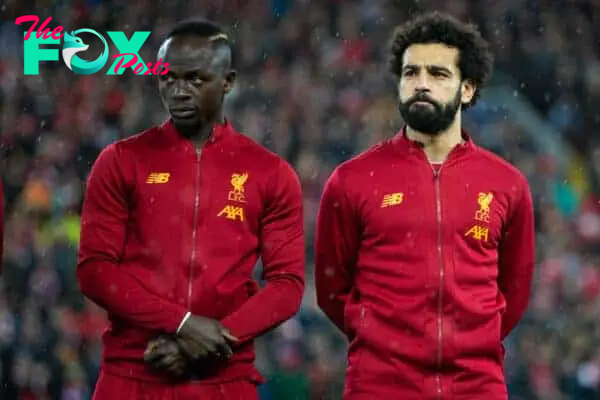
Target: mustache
<point>421,97</point>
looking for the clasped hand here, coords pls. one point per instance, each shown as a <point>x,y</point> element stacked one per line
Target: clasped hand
<point>200,339</point>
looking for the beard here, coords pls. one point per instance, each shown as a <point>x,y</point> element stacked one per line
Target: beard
<point>431,118</point>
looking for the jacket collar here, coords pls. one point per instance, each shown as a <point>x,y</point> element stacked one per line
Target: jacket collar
<point>219,132</point>
<point>401,141</point>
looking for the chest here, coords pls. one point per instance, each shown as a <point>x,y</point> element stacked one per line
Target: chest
<point>412,207</point>
<point>175,192</point>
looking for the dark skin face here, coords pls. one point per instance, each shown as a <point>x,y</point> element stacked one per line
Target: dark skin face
<point>193,90</point>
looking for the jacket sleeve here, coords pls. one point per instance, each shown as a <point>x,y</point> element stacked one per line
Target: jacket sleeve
<point>283,258</point>
<point>336,248</point>
<point>104,221</point>
<point>517,259</point>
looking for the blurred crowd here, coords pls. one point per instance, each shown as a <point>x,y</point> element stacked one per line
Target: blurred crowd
<point>313,87</point>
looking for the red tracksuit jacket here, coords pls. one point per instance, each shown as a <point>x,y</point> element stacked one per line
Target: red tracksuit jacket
<point>425,270</point>
<point>167,229</point>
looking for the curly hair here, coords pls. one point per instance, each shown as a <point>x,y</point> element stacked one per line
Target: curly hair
<point>475,58</point>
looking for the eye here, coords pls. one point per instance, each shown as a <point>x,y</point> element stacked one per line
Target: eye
<point>409,72</point>
<point>195,79</point>
<point>168,77</point>
<point>440,74</point>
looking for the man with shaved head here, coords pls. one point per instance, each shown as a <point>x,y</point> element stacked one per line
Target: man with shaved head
<point>174,221</point>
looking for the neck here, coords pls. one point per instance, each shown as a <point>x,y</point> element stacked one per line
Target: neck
<point>437,147</point>
<point>199,135</point>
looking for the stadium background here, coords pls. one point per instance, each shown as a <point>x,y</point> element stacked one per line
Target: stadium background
<point>312,87</point>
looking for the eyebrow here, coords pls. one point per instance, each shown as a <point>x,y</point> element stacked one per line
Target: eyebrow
<point>437,68</point>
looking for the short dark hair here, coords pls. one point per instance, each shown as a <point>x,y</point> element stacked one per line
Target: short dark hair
<point>196,26</point>
<point>205,29</point>
<point>475,58</point>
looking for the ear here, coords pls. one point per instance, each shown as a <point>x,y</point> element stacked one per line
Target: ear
<point>229,81</point>
<point>467,91</point>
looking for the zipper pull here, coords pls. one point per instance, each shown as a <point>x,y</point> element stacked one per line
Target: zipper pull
<point>436,169</point>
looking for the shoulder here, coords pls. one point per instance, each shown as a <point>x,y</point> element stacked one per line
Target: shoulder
<point>501,167</point>
<point>137,140</point>
<point>127,147</point>
<point>259,156</point>
<point>275,176</point>
<point>363,163</point>
<point>119,156</point>
<point>509,181</point>
<point>255,151</point>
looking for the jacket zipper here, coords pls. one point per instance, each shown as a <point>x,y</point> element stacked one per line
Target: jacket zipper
<point>360,332</point>
<point>440,305</point>
<point>194,229</point>
<point>362,317</point>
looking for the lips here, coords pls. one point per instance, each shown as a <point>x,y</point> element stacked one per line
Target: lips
<point>422,103</point>
<point>182,108</point>
<point>183,112</point>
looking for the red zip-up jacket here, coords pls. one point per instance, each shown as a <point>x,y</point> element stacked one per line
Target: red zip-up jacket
<point>425,270</point>
<point>168,229</point>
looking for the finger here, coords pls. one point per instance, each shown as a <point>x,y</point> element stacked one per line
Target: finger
<point>152,346</point>
<point>160,340</point>
<point>157,343</point>
<point>184,347</point>
<point>221,345</point>
<point>152,356</point>
<point>167,361</point>
<point>199,350</point>
<point>224,350</point>
<point>170,347</point>
<point>227,335</point>
<point>177,370</point>
<point>156,363</point>
<point>192,349</point>
<point>211,347</point>
<point>173,354</point>
<point>203,353</point>
<point>159,350</point>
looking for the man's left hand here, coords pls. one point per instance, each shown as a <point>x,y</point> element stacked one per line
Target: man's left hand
<point>164,354</point>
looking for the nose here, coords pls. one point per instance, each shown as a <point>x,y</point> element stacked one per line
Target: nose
<point>180,93</point>
<point>422,83</point>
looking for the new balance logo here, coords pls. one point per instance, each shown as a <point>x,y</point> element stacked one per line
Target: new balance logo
<point>158,177</point>
<point>392,199</point>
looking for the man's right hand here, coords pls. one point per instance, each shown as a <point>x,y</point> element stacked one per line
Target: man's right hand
<point>200,335</point>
